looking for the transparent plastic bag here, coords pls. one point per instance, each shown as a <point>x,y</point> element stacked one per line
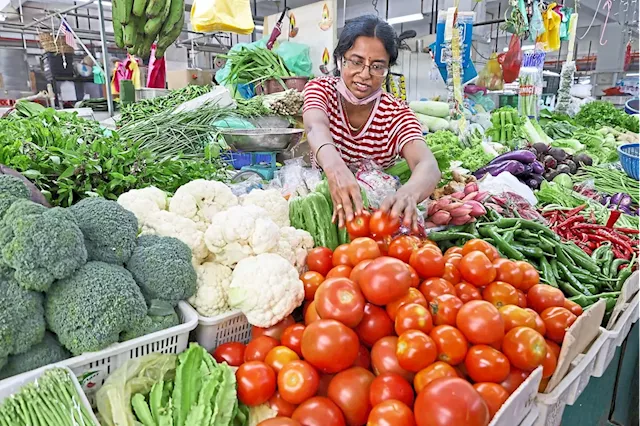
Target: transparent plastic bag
<point>376,183</point>
<point>491,75</point>
<point>208,16</point>
<point>247,185</point>
<point>296,178</point>
<point>296,57</point>
<point>510,204</point>
<point>223,73</point>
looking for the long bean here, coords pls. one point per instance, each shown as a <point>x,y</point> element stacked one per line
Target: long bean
<point>609,181</point>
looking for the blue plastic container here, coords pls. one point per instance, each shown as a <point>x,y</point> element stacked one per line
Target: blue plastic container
<point>238,159</point>
<point>629,157</point>
<point>631,106</point>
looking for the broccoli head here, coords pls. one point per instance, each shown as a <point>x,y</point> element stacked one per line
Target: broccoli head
<point>151,324</point>
<point>40,244</point>
<point>46,352</point>
<point>22,322</point>
<point>13,186</point>
<point>109,230</point>
<point>162,268</point>
<point>89,309</point>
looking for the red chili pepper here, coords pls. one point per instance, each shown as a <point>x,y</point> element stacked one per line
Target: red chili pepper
<point>576,210</point>
<point>598,238</point>
<point>628,230</point>
<point>613,218</point>
<point>589,226</point>
<point>587,250</point>
<point>570,221</point>
<point>615,239</point>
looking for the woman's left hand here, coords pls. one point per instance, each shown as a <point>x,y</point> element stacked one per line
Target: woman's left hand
<point>402,203</point>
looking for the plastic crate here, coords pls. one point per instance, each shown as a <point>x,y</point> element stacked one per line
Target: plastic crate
<point>520,402</point>
<point>531,418</point>
<point>238,159</point>
<point>629,158</point>
<point>230,327</point>
<point>13,384</point>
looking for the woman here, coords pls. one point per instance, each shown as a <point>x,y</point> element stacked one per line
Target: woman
<point>349,119</point>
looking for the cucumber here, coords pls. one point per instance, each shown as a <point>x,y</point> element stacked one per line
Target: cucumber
<point>323,188</point>
<point>310,222</point>
<point>296,216</point>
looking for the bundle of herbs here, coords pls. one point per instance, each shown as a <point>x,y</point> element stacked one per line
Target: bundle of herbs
<point>254,65</point>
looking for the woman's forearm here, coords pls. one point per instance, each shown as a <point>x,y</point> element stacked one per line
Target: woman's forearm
<point>424,179</point>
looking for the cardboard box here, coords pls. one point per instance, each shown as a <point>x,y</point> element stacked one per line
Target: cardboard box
<point>181,78</point>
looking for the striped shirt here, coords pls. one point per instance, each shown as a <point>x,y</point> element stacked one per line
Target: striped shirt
<point>389,128</point>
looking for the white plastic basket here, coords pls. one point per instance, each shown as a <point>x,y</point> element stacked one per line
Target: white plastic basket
<point>520,402</point>
<point>230,327</point>
<point>13,385</point>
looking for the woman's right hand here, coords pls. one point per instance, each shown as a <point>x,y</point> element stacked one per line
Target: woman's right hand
<point>345,193</point>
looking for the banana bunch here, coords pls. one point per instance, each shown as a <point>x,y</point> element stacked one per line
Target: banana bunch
<point>138,23</point>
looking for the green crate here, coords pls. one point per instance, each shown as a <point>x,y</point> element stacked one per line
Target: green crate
<point>508,100</point>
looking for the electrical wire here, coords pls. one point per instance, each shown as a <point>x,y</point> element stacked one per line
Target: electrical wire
<point>374,3</point>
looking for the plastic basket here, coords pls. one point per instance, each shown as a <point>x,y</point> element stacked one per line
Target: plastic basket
<point>230,327</point>
<point>520,402</point>
<point>238,159</point>
<point>629,156</point>
<point>631,106</point>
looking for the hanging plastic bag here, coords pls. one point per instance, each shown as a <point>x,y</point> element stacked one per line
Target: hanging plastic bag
<point>512,60</point>
<point>536,29</point>
<point>157,76</point>
<point>208,16</point>
<point>223,73</point>
<point>564,26</point>
<point>296,57</point>
<point>551,37</point>
<point>491,75</point>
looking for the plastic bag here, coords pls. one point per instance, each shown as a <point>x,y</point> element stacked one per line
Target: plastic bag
<point>223,73</point>
<point>375,182</point>
<point>296,178</point>
<point>246,186</point>
<point>491,75</point>
<point>296,57</point>
<point>157,75</point>
<point>512,60</point>
<point>208,16</point>
<point>510,204</point>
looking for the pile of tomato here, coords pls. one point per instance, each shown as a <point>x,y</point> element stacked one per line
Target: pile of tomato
<point>398,333</point>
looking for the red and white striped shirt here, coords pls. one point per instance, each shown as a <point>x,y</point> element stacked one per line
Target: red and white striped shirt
<point>390,127</point>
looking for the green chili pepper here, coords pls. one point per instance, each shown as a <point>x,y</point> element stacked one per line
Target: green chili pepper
<point>449,235</point>
<point>547,272</point>
<point>586,301</point>
<point>529,251</point>
<point>554,268</point>
<point>596,256</point>
<point>581,259</point>
<point>568,289</point>
<point>502,245</point>
<point>615,266</point>
<point>573,281</point>
<point>527,224</point>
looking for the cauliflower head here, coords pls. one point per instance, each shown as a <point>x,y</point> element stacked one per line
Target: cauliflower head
<point>214,280</point>
<point>266,288</point>
<point>144,202</point>
<point>272,201</point>
<point>169,224</point>
<point>200,200</point>
<point>22,322</point>
<point>293,245</point>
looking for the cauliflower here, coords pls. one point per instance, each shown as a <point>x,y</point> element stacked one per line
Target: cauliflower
<point>144,202</point>
<point>200,200</point>
<point>213,282</point>
<point>272,201</point>
<point>266,288</point>
<point>169,224</point>
<point>240,232</point>
<point>293,245</point>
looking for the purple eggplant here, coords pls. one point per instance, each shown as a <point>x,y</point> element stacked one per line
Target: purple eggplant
<point>527,170</point>
<point>621,199</point>
<point>605,200</point>
<point>512,166</point>
<point>537,167</point>
<point>521,155</point>
<point>534,181</point>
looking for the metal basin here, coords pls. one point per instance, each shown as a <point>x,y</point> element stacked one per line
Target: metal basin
<point>268,140</point>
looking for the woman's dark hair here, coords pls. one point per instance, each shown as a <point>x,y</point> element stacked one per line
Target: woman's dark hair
<point>367,26</point>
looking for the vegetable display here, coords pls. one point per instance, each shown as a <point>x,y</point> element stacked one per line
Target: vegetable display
<point>598,114</point>
<point>254,65</point>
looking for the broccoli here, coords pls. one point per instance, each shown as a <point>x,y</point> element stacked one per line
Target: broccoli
<point>13,186</point>
<point>90,309</point>
<point>109,230</point>
<point>46,352</point>
<point>162,268</point>
<point>149,325</point>
<point>41,244</point>
<point>22,322</point>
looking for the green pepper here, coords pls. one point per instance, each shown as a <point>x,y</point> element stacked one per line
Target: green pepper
<point>449,235</point>
<point>607,258</point>
<point>581,259</point>
<point>554,268</point>
<point>596,256</point>
<point>527,224</point>
<point>509,236</point>
<point>547,272</point>
<point>586,301</point>
<point>502,245</point>
<point>624,276</point>
<point>529,251</point>
<point>573,281</point>
<point>615,266</point>
<point>568,290</point>
<point>562,257</point>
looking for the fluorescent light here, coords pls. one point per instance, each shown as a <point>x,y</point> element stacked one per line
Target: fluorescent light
<point>550,73</point>
<point>259,27</point>
<point>106,4</point>
<point>405,18</point>
<point>633,74</point>
<point>528,47</point>
<point>506,49</point>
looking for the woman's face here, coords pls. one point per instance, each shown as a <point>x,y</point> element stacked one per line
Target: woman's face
<point>357,77</point>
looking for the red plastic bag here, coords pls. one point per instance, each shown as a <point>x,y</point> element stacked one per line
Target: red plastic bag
<point>157,76</point>
<point>512,60</point>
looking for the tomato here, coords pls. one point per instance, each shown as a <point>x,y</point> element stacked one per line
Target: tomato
<point>340,271</point>
<point>486,364</point>
<point>550,362</point>
<point>256,383</point>
<point>320,260</point>
<point>311,281</point>
<point>467,292</point>
<point>415,350</point>
<point>415,279</point>
<point>514,379</point>
<point>515,316</point>
<point>383,244</point>
<point>390,386</point>
<point>413,317</point>
<point>340,256</point>
<point>573,307</point>
<point>349,390</point>
<point>401,247</point>
<point>298,381</point>
<point>280,356</point>
<point>382,224</point>
<point>375,325</point>
<point>508,272</point>
<point>453,259</point>
<point>543,296</point>
<point>540,326</point>
<point>323,387</point>
<point>292,338</point>
<point>258,348</point>
<point>476,268</point>
<point>522,299</point>
<point>499,294</point>
<point>480,245</point>
<point>433,287</point>
<point>384,359</point>
<point>453,250</point>
<point>555,348</point>
<point>329,345</point>
<point>274,331</point>
<point>412,296</point>
<point>391,413</point>
<point>319,411</point>
<point>280,406</point>
<point>557,321</point>
<point>444,309</point>
<point>450,401</point>
<point>340,299</point>
<point>428,262</point>
<point>493,395</point>
<point>451,344</point>
<point>361,249</point>
<point>359,226</point>
<point>279,421</point>
<point>311,314</point>
<point>451,273</point>
<point>480,322</point>
<point>385,280</point>
<point>357,270</point>
<point>364,358</point>
<point>232,353</point>
<point>525,348</point>
<point>530,275</point>
<point>435,371</point>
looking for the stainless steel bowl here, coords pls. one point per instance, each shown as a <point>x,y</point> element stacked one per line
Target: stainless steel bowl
<point>268,140</point>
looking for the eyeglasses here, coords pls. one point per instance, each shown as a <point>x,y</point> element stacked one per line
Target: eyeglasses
<point>358,66</point>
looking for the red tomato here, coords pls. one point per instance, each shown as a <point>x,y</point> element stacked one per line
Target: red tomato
<point>530,275</point>
<point>555,348</point>
<point>480,322</point>
<point>514,379</point>
<point>453,250</point>
<point>292,338</point>
<point>485,364</point>
<point>279,421</point>
<point>359,226</point>
<point>375,325</point>
<point>390,386</point>
<point>383,244</point>
<point>258,348</point>
<point>329,345</point>
<point>428,262</point>
<point>415,279</point>
<point>476,268</point>
<point>385,280</point>
<point>412,296</point>
<point>382,224</point>
<point>364,358</point>
<point>451,344</point>
<point>319,260</point>
<point>573,307</point>
<point>232,353</point>
<point>493,395</point>
<point>522,299</point>
<point>515,316</point>
<point>415,350</point>
<point>499,294</point>
<point>280,356</point>
<point>323,388</point>
<point>401,247</point>
<point>540,326</point>
<point>453,258</point>
<point>451,273</point>
<point>274,331</point>
<point>340,299</point>
<point>280,406</point>
<point>444,309</point>
<point>311,281</point>
<point>433,287</point>
<point>311,314</point>
<point>297,382</point>
<point>557,321</point>
<point>435,371</point>
<point>384,359</point>
<point>391,413</point>
<point>349,390</point>
<point>357,270</point>
<point>450,401</point>
<point>319,411</point>
<point>256,383</point>
<point>480,245</point>
<point>361,249</point>
<point>550,362</point>
<point>508,272</point>
<point>543,296</point>
<point>525,348</point>
<point>467,292</point>
<point>340,256</point>
<point>413,317</point>
<point>340,271</point>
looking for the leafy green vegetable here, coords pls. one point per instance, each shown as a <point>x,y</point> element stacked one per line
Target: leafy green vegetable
<point>597,114</point>
<point>571,146</point>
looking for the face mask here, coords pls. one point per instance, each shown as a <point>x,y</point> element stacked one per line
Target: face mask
<point>342,88</point>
